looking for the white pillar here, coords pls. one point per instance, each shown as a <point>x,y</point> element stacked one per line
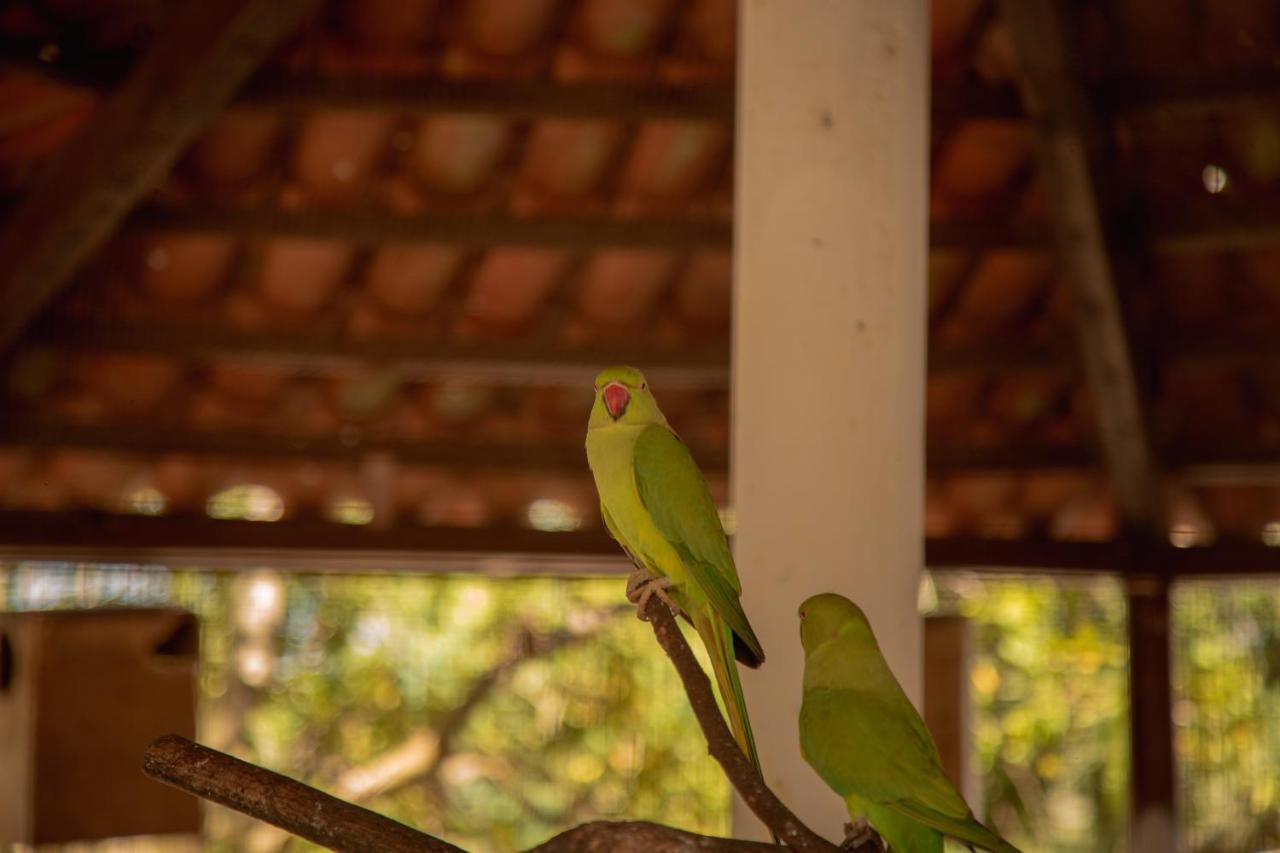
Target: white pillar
<point>829,344</point>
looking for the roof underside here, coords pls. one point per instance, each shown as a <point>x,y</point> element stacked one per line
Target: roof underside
<point>387,271</point>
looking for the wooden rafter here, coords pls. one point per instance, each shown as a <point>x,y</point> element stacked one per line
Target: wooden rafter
<point>481,230</point>
<point>190,73</point>
<point>1193,464</point>
<point>314,545</point>
<point>363,227</point>
<point>538,364</point>
<point>512,99</point>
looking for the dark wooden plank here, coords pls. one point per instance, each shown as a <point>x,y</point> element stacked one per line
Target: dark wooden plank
<point>350,446</point>
<point>309,544</point>
<point>1170,233</point>
<point>302,545</point>
<point>477,230</point>
<point>1192,95</point>
<point>1194,464</point>
<point>515,99</point>
<point>534,363</point>
<point>190,73</point>
<point>979,235</point>
<point>1238,229</point>
<point>307,353</point>
<point>1022,556</point>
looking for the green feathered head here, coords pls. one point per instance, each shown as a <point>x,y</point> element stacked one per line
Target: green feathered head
<point>825,615</point>
<point>623,397</point>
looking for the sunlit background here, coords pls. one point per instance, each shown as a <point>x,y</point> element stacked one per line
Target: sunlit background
<point>497,711</point>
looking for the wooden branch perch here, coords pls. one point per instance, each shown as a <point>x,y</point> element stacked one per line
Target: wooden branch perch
<point>340,825</point>
<point>724,749</point>
<point>279,800</point>
<point>638,836</point>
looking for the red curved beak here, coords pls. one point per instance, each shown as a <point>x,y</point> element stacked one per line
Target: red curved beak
<point>616,398</point>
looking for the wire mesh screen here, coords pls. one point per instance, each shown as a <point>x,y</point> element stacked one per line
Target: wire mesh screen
<point>491,711</point>
<point>1048,688</point>
<point>1226,671</point>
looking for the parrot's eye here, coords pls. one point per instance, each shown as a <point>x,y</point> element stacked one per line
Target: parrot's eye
<point>644,385</point>
<point>802,614</point>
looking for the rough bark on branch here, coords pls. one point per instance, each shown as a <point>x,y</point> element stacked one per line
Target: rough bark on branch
<point>279,800</point>
<point>723,748</point>
<point>638,836</point>
<point>339,825</point>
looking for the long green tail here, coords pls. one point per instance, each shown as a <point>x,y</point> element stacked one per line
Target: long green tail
<point>718,638</point>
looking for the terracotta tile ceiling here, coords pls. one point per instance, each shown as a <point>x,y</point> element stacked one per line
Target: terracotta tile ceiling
<point>349,292</point>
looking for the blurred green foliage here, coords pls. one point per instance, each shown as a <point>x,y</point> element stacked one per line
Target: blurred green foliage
<point>354,684</point>
<point>1050,710</point>
<point>497,711</point>
<point>1226,651</point>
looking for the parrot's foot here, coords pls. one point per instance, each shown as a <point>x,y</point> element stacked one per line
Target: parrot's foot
<point>856,834</point>
<point>641,586</point>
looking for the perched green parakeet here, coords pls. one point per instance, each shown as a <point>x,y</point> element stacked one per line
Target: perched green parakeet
<point>655,502</point>
<point>861,733</point>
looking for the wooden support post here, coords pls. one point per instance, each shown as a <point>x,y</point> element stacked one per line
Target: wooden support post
<point>1151,722</point>
<point>947,655</point>
<point>829,343</point>
<point>190,73</point>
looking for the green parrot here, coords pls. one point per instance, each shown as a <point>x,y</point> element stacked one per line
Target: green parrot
<point>656,504</point>
<point>861,733</point>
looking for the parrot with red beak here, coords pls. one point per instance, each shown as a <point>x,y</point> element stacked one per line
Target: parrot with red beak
<point>656,504</point>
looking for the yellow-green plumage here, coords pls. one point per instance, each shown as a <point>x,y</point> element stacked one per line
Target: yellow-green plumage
<point>656,504</point>
<point>861,733</point>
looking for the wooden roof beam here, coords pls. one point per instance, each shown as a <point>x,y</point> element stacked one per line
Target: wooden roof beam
<point>313,545</point>
<point>189,74</point>
<point>369,228</point>
<point>530,363</point>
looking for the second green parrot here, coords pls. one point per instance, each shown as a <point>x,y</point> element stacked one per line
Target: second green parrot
<point>861,733</point>
<point>656,504</point>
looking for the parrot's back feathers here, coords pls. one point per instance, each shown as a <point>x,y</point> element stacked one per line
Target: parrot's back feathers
<point>677,499</point>
<point>861,733</point>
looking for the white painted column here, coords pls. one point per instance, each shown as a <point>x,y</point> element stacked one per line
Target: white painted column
<point>829,344</point>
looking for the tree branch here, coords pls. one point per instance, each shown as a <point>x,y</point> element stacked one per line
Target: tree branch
<point>339,825</point>
<point>279,800</point>
<point>720,742</point>
<point>638,836</point>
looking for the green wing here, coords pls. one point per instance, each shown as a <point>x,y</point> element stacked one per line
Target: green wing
<point>867,745</point>
<point>863,746</point>
<point>676,497</point>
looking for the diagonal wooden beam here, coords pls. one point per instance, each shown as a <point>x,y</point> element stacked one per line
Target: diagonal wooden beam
<point>189,74</point>
<point>1065,131</point>
<point>1066,138</point>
